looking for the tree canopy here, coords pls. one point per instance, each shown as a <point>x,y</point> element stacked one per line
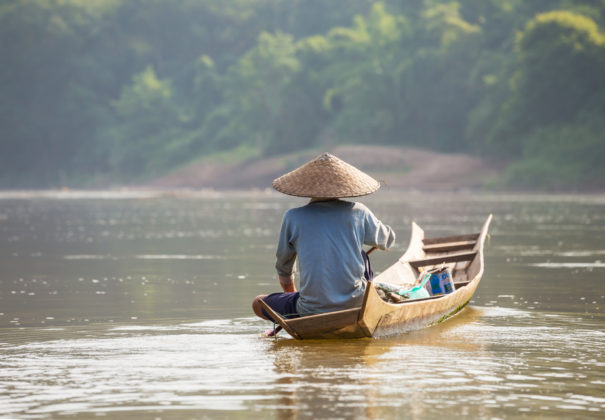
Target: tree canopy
<point>122,90</point>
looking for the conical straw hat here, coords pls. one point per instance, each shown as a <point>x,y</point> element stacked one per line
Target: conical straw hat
<point>326,176</point>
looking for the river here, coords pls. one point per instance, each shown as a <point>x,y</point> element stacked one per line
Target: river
<point>125,304</point>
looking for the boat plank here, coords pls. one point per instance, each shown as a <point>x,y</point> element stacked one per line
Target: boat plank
<point>420,300</point>
<point>454,238</point>
<point>464,256</point>
<point>314,325</point>
<point>449,246</point>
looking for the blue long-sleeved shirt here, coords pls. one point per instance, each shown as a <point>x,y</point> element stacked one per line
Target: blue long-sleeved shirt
<point>327,237</point>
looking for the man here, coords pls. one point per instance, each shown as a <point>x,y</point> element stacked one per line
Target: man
<point>327,236</point>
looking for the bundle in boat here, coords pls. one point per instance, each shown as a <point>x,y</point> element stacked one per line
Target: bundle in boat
<point>433,282</point>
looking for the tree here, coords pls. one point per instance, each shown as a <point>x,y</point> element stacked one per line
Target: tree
<point>146,136</point>
<point>51,105</point>
<point>362,76</point>
<point>254,90</point>
<point>561,62</point>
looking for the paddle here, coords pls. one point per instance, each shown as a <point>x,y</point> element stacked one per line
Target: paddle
<point>273,332</point>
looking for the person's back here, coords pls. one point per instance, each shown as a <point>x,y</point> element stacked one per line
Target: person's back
<point>328,237</point>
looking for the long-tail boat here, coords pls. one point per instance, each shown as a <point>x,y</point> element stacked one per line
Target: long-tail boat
<point>461,254</point>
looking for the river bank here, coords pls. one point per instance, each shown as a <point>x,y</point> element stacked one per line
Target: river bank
<point>397,168</point>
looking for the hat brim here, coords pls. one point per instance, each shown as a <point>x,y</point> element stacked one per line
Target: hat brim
<point>326,177</point>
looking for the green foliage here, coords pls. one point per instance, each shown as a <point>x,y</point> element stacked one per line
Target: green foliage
<point>254,103</point>
<point>360,75</point>
<point>561,62</point>
<point>127,89</point>
<point>566,155</point>
<point>146,95</point>
<point>147,127</point>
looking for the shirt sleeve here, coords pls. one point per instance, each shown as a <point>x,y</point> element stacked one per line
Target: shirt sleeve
<point>286,253</point>
<point>377,233</point>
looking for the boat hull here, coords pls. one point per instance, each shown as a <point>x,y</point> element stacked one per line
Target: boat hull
<point>415,316</point>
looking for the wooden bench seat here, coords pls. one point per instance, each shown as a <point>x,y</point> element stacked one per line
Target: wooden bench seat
<point>464,256</point>
<point>449,246</point>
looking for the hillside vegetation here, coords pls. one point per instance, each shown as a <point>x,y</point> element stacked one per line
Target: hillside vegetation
<point>102,92</point>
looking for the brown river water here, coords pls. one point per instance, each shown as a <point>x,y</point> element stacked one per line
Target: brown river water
<point>137,305</point>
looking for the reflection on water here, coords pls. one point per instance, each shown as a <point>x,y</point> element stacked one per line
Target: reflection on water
<point>138,306</point>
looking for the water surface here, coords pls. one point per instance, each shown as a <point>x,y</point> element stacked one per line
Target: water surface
<point>137,305</point>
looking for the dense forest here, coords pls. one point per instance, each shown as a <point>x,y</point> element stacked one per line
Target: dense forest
<point>117,91</point>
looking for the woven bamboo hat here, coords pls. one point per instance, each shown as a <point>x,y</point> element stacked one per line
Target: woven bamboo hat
<point>326,176</point>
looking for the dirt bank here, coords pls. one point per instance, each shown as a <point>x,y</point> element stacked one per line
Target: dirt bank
<point>398,168</point>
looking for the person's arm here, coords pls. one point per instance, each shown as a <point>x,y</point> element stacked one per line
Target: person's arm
<point>377,233</point>
<point>286,255</point>
<point>287,283</point>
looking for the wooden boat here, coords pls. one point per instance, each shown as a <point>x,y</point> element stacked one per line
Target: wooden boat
<point>462,254</point>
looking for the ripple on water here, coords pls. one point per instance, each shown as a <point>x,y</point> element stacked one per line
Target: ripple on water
<point>178,257</point>
<point>488,361</point>
<point>77,257</point>
<point>595,264</point>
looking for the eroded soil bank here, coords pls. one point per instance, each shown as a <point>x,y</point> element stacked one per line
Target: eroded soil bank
<point>400,168</point>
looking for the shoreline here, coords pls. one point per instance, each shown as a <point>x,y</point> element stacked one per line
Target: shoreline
<point>125,193</point>
<point>399,169</point>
